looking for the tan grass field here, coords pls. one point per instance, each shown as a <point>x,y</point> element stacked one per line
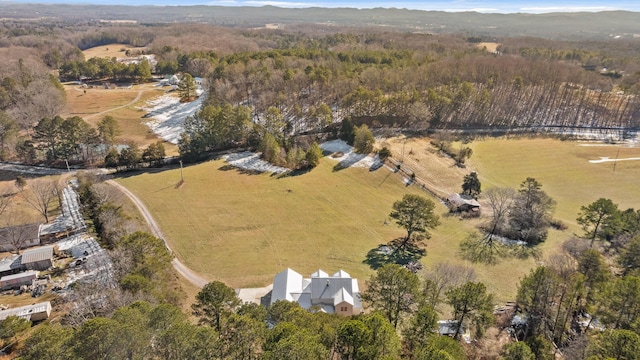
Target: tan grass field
<point>418,155</point>
<point>109,51</point>
<point>243,229</point>
<point>490,46</point>
<point>563,169</point>
<point>18,203</point>
<point>94,104</point>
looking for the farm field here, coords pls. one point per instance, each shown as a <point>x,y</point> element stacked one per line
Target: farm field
<point>244,228</point>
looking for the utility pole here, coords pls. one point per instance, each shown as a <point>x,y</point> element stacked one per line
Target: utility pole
<point>181,173</point>
<point>616,160</point>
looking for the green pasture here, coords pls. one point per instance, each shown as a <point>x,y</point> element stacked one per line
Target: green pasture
<point>244,228</point>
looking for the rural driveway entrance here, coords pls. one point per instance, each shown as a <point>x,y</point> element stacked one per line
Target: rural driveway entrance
<point>191,276</point>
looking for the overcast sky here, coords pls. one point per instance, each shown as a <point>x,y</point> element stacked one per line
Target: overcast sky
<point>493,6</point>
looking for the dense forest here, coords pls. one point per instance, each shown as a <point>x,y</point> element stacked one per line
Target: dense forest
<point>303,80</point>
<point>573,26</point>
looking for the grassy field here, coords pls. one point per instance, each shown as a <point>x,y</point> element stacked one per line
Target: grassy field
<point>242,228</point>
<point>110,51</point>
<point>563,169</point>
<point>245,228</point>
<point>94,104</point>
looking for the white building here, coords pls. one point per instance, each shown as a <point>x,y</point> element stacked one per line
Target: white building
<point>337,293</point>
<point>34,312</point>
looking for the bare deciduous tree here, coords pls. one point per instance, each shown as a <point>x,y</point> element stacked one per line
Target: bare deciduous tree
<point>39,196</point>
<point>5,199</point>
<point>443,277</point>
<point>499,200</point>
<point>15,233</point>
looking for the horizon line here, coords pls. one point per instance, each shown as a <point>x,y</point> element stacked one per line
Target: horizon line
<point>541,9</point>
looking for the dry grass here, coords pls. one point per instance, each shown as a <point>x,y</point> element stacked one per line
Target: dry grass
<point>119,103</point>
<point>563,169</point>
<point>25,299</point>
<point>110,51</point>
<point>437,170</point>
<point>489,46</point>
<point>242,229</point>
<point>27,214</point>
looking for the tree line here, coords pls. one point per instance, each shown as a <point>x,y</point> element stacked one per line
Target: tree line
<point>73,141</point>
<point>402,322</point>
<point>105,69</point>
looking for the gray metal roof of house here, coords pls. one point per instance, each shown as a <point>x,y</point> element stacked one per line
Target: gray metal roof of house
<point>9,263</point>
<point>342,296</point>
<point>38,254</point>
<point>285,283</point>
<point>327,288</point>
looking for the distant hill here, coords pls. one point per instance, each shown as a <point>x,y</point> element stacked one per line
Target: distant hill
<point>566,26</point>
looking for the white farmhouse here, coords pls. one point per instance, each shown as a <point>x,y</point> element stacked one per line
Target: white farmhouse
<point>337,293</point>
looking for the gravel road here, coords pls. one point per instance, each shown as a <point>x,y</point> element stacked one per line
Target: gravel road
<point>187,273</point>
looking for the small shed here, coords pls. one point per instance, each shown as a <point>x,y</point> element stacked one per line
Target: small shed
<point>38,259</point>
<point>16,280</point>
<point>14,238</point>
<point>33,312</point>
<point>462,203</point>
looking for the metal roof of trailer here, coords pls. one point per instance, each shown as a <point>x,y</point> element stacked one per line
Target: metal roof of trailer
<point>35,255</point>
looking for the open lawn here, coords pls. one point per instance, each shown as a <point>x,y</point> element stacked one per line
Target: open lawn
<point>436,170</point>
<point>489,46</point>
<point>242,228</point>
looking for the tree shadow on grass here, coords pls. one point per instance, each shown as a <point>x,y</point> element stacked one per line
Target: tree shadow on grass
<point>291,173</point>
<point>480,249</point>
<point>489,250</point>
<point>397,251</point>
<point>351,159</point>
<point>240,170</point>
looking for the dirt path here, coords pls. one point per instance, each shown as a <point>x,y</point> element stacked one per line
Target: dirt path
<point>117,107</point>
<point>187,273</point>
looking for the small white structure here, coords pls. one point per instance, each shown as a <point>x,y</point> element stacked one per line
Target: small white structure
<point>338,293</point>
<point>174,80</point>
<point>11,265</point>
<point>34,312</point>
